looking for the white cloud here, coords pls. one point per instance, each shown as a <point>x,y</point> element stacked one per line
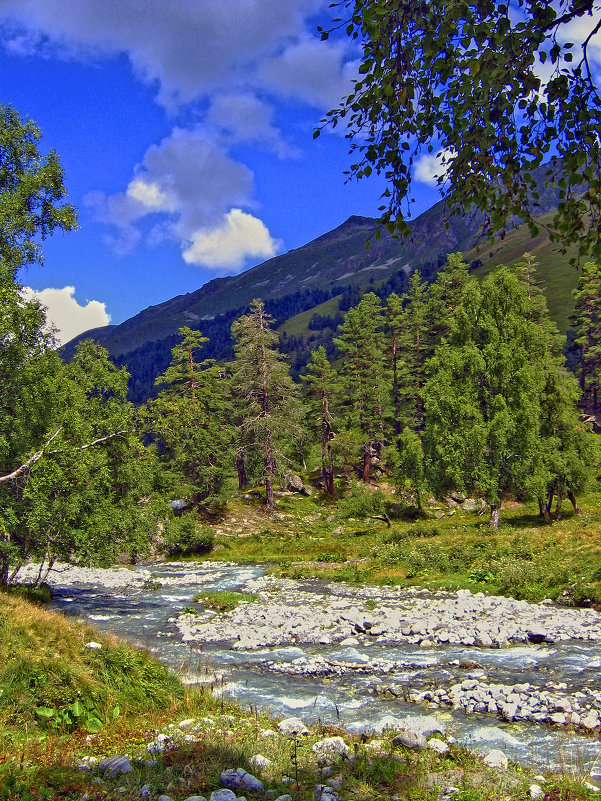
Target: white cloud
<point>191,190</point>
<point>185,48</point>
<point>239,116</point>
<point>432,168</point>
<point>188,177</point>
<point>310,70</point>
<point>241,236</point>
<point>65,313</point>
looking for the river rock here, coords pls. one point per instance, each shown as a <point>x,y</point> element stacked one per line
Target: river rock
<point>331,747</point>
<point>535,791</point>
<point>496,759</point>
<point>223,795</point>
<point>410,739</point>
<point>259,762</point>
<point>240,780</point>
<point>292,726</point>
<point>438,746</point>
<point>114,766</point>
<point>324,792</point>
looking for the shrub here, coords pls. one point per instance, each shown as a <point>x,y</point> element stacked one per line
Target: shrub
<point>361,502</point>
<point>187,537</point>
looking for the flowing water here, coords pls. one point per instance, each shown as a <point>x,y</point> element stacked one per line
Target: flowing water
<point>144,614</point>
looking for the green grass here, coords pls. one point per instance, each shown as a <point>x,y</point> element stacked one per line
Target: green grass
<point>50,678</point>
<point>299,324</point>
<point>452,549</point>
<point>224,600</point>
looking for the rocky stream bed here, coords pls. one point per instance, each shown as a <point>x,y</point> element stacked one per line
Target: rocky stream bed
<point>491,672</point>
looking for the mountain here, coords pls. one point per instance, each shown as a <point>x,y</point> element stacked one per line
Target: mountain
<point>332,270</point>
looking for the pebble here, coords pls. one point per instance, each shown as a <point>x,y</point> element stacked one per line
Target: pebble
<point>292,726</point>
<point>240,780</point>
<point>438,746</point>
<point>496,759</point>
<point>114,766</point>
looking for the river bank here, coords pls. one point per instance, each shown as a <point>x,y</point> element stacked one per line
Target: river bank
<point>489,671</point>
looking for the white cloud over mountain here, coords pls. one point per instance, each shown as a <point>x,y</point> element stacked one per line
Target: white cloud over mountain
<point>225,66</point>
<point>66,314</point>
<point>239,237</point>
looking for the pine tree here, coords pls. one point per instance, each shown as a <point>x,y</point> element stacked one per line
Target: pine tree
<point>267,398</point>
<point>414,350</point>
<point>190,421</point>
<point>364,379</point>
<point>320,380</point>
<point>394,324</point>
<point>587,325</point>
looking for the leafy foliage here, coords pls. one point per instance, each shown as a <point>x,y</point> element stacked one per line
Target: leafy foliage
<point>465,80</point>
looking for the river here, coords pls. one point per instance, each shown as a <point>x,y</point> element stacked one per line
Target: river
<point>357,682</point>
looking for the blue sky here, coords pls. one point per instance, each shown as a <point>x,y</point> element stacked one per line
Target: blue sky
<point>185,129</point>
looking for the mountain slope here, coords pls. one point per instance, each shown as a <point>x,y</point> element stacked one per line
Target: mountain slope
<point>338,263</point>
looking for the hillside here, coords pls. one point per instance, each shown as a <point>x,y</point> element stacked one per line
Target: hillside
<point>332,270</point>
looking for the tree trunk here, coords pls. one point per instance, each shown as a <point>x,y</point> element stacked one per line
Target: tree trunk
<point>241,469</point>
<point>574,502</point>
<point>366,450</point>
<point>559,499</point>
<point>269,472</point>
<point>395,391</point>
<point>3,571</point>
<point>495,511</point>
<point>546,513</point>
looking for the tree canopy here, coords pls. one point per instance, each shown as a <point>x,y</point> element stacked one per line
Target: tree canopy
<point>31,192</point>
<point>495,88</point>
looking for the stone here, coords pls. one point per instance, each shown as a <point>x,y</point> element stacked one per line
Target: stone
<point>535,791</point>
<point>332,746</point>
<point>93,646</point>
<point>223,795</point>
<point>146,791</point>
<point>240,780</point>
<point>536,634</point>
<point>438,746</point>
<point>590,720</point>
<point>294,483</point>
<point>496,759</point>
<point>284,797</point>
<point>292,726</point>
<point>325,793</point>
<point>268,733</point>
<point>114,766</point>
<point>186,724</point>
<point>410,739</point>
<point>259,762</point>
<point>160,744</point>
<point>164,798</point>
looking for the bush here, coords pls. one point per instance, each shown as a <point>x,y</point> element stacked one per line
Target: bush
<point>361,502</point>
<point>187,537</point>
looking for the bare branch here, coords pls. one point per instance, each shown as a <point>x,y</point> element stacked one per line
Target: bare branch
<point>32,460</point>
<point>38,455</point>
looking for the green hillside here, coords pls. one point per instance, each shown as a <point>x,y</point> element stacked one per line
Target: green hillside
<point>558,277</point>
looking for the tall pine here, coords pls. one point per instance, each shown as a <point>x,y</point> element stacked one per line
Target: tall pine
<point>266,396</point>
